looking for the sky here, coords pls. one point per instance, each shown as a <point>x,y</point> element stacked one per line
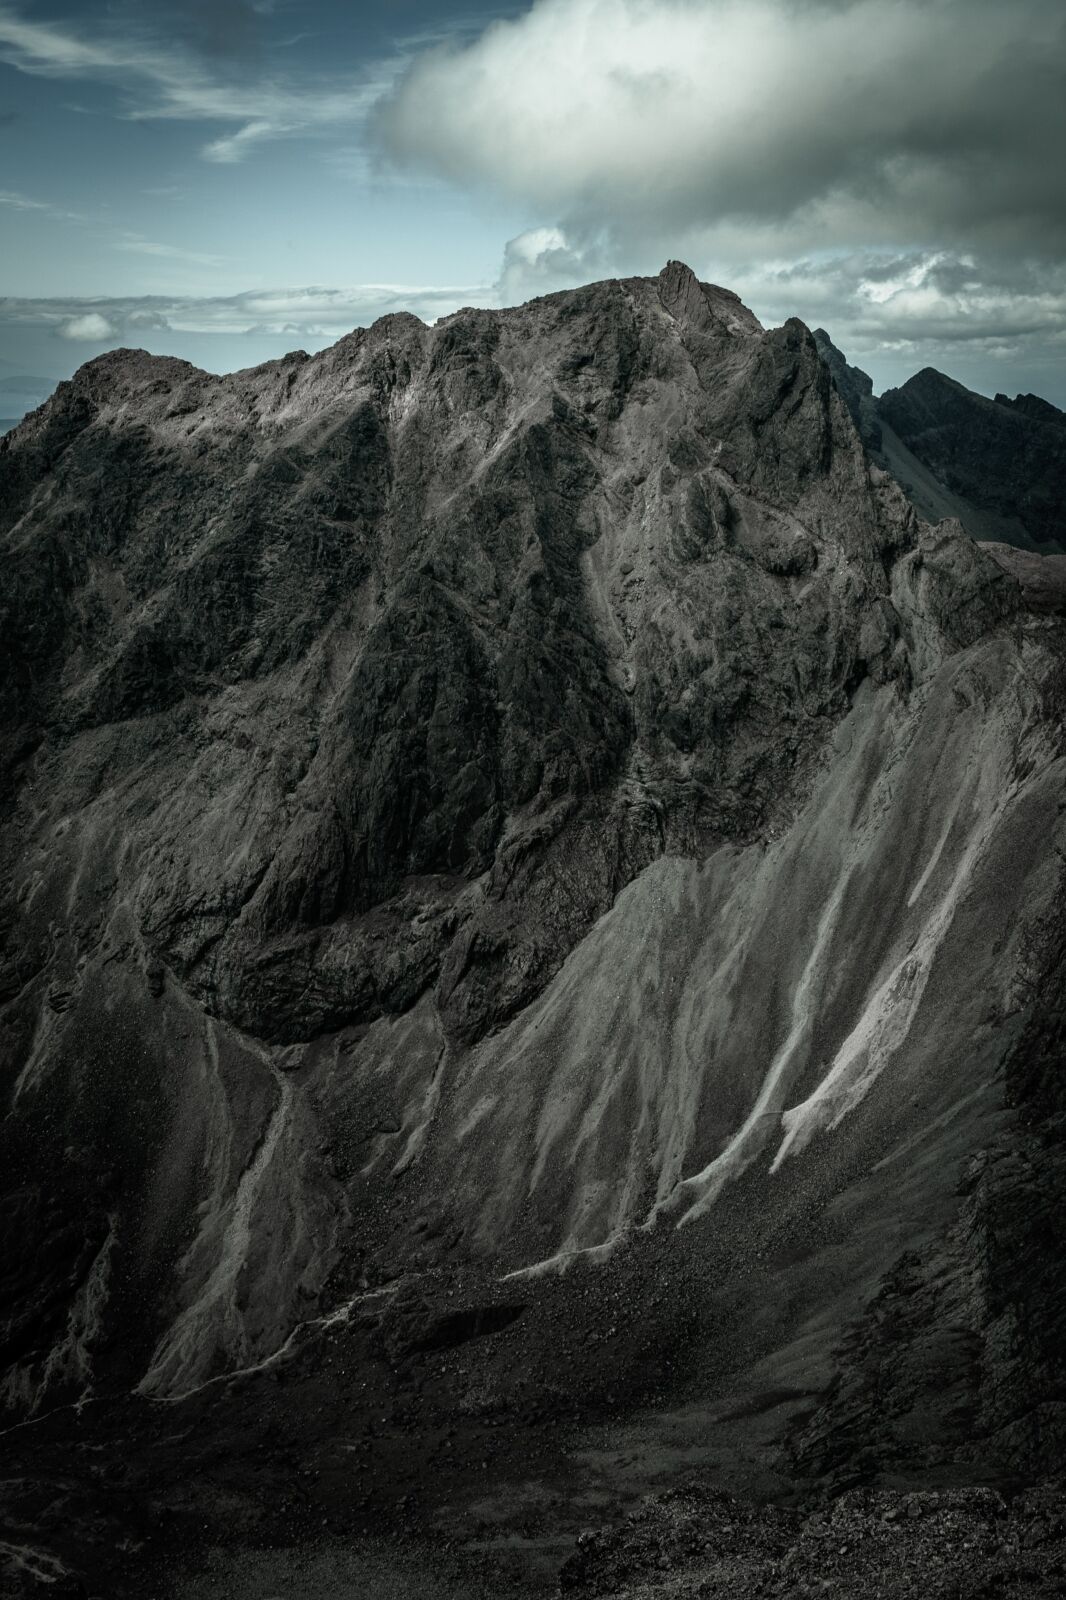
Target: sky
<point>227,180</point>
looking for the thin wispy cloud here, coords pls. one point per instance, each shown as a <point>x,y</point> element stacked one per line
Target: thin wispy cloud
<point>133,243</point>
<point>15,201</point>
<point>159,79</point>
<point>167,252</point>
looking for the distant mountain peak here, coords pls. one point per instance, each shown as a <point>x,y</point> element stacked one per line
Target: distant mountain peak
<point>998,465</point>
<point>1037,409</point>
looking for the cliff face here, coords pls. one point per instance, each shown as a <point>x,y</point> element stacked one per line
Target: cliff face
<point>477,800</point>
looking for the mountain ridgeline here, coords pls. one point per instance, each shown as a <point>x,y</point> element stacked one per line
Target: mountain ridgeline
<point>531,893</point>
<point>999,465</point>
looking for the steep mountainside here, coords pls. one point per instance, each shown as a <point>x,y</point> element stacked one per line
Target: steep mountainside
<point>531,894</point>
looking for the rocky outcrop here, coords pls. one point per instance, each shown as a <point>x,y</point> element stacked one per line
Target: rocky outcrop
<point>505,821</point>
<point>393,614</point>
<point>1042,579</point>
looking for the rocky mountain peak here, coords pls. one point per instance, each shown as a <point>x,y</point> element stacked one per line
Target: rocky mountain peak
<point>522,848</point>
<point>1031,405</point>
<point>701,304</point>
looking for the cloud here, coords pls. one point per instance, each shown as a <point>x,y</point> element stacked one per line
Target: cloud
<point>544,259</point>
<point>892,169</point>
<point>925,303</point>
<point>23,202</point>
<point>170,252</point>
<point>154,320</point>
<point>164,78</point>
<point>91,326</point>
<point>235,146</point>
<point>313,312</point>
<point>859,121</point>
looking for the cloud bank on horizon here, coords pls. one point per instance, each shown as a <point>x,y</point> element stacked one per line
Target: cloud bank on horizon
<point>893,170</point>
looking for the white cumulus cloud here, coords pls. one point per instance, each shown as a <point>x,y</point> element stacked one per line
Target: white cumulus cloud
<point>845,119</point>
<point>91,326</point>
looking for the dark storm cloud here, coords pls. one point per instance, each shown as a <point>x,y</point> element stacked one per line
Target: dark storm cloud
<point>920,122</point>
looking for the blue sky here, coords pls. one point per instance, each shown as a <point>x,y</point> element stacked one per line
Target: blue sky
<point>229,179</point>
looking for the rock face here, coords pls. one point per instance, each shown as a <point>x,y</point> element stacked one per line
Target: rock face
<point>520,797</point>
<point>1042,578</point>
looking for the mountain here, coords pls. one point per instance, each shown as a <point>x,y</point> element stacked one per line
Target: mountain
<point>1033,407</point>
<point>999,466</point>
<point>533,960</point>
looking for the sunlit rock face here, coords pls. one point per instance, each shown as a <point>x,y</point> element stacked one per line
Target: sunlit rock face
<point>493,794</point>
